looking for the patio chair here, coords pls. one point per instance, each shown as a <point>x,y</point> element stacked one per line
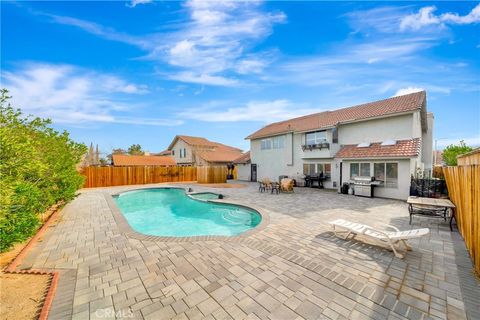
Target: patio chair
<point>286,185</point>
<point>261,186</point>
<point>391,238</point>
<point>267,183</point>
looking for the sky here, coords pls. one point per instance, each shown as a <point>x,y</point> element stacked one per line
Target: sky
<point>117,73</point>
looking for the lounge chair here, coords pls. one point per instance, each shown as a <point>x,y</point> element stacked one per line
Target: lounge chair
<point>390,237</point>
<point>267,183</point>
<point>286,185</point>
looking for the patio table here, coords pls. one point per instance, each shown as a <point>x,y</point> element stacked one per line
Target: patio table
<point>431,207</point>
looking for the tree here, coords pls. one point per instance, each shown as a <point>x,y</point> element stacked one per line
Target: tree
<point>115,151</point>
<point>37,170</point>
<point>451,152</point>
<point>135,149</point>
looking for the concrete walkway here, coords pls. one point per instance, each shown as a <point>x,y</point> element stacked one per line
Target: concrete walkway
<point>294,268</point>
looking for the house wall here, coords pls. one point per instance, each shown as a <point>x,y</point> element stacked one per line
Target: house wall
<point>402,191</point>
<point>427,143</point>
<point>180,144</point>
<point>243,171</point>
<point>377,130</point>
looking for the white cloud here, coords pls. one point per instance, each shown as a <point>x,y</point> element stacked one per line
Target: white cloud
<point>203,78</point>
<point>134,3</point>
<point>215,42</point>
<point>407,90</point>
<point>261,111</point>
<point>426,17</point>
<point>68,94</point>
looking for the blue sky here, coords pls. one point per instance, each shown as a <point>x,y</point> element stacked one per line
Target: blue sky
<point>117,73</point>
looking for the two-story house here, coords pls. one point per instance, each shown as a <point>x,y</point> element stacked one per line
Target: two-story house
<point>198,151</point>
<point>388,139</point>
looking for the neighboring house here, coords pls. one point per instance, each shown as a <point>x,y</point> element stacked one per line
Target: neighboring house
<point>389,139</point>
<point>164,153</point>
<point>119,160</point>
<point>438,158</point>
<point>189,151</point>
<point>244,168</point>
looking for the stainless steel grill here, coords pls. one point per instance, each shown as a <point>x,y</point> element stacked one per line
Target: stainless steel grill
<point>363,186</point>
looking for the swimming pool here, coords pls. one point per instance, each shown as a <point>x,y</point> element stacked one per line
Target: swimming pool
<point>170,212</point>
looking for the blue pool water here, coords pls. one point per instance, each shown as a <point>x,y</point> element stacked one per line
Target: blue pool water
<point>170,212</point>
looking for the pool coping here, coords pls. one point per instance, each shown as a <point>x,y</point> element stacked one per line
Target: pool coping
<point>127,229</point>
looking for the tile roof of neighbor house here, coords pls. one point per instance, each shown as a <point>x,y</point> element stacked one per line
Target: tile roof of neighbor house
<point>402,149</point>
<point>128,160</point>
<point>244,158</point>
<point>218,155</point>
<point>164,153</point>
<point>327,119</point>
<point>201,142</point>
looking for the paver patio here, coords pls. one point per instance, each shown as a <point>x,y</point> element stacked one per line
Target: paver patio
<point>294,268</point>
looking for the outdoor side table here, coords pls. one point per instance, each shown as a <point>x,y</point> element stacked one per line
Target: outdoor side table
<point>431,207</point>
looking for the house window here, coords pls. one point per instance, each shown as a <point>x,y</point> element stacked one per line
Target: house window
<point>335,135</point>
<point>359,169</point>
<point>315,168</point>
<point>266,144</point>
<point>278,142</point>
<point>317,137</point>
<point>173,152</point>
<point>184,152</point>
<point>387,173</point>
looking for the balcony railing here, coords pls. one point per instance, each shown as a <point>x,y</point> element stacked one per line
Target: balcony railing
<point>323,145</point>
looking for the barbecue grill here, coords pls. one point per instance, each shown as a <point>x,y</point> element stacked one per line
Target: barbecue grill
<point>364,186</point>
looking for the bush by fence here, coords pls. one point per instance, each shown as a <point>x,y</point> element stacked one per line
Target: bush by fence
<point>463,187</point>
<point>37,170</point>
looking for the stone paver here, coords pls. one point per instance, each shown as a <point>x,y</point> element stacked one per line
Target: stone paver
<point>293,268</point>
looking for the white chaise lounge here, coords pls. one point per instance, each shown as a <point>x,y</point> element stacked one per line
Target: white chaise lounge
<point>389,237</point>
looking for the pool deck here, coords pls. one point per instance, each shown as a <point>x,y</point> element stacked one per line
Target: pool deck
<point>294,268</point>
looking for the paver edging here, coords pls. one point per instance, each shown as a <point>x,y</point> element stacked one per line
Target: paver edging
<point>11,268</point>
<point>127,229</point>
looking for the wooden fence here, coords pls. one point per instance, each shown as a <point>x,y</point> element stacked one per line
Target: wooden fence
<point>215,174</point>
<point>120,176</point>
<point>472,157</point>
<point>463,183</point>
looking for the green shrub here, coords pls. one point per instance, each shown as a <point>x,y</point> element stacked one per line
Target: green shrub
<point>37,169</point>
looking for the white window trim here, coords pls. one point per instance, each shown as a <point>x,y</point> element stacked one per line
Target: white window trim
<point>384,185</point>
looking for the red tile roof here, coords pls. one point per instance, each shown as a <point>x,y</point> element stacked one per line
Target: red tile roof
<point>128,160</point>
<point>244,158</point>
<point>402,149</point>
<point>164,153</point>
<point>201,142</point>
<point>218,155</point>
<point>327,119</point>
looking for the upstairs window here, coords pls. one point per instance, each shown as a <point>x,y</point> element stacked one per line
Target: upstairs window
<point>317,137</point>
<point>266,144</point>
<point>173,152</point>
<point>278,142</point>
<point>184,152</point>
<point>335,135</point>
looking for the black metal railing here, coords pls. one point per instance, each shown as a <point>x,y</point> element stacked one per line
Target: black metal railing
<point>323,145</point>
<point>428,188</point>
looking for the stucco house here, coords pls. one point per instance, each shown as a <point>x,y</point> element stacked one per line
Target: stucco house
<point>198,151</point>
<point>244,170</point>
<point>388,139</point>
